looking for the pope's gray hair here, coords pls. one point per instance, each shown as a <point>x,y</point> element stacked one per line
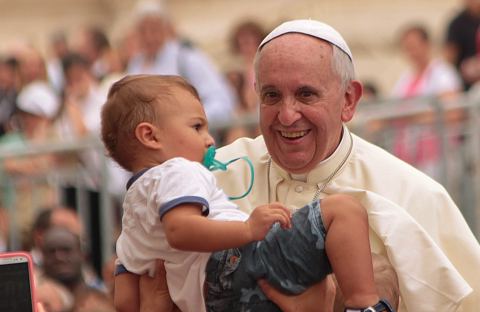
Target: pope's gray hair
<point>342,65</point>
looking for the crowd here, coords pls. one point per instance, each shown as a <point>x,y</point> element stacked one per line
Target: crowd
<point>58,97</point>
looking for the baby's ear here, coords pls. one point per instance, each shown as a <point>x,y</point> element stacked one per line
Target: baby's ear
<point>147,134</point>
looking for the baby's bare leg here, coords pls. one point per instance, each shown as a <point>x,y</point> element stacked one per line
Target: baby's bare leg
<point>126,295</point>
<point>348,249</point>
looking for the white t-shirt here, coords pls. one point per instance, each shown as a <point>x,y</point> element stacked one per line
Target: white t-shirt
<point>438,78</point>
<point>150,195</point>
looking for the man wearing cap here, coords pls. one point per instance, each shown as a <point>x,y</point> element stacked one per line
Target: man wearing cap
<point>37,106</point>
<point>307,92</point>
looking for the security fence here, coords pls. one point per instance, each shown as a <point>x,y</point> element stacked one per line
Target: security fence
<point>439,137</point>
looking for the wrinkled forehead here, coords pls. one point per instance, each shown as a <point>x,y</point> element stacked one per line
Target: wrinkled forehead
<point>294,59</point>
<point>60,237</point>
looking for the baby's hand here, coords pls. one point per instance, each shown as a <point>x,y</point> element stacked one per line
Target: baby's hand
<point>263,217</point>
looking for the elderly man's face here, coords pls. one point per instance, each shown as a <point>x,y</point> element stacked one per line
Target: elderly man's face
<point>302,101</point>
<point>151,31</point>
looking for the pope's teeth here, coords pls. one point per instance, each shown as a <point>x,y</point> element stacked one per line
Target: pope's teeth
<point>296,134</point>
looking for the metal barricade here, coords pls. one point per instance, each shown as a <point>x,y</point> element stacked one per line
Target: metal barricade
<point>446,130</point>
<point>73,176</point>
<point>452,126</point>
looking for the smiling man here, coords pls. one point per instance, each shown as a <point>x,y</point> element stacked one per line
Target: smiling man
<point>301,108</point>
<point>307,91</point>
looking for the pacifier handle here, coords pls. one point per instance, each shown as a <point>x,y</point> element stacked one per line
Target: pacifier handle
<point>212,164</point>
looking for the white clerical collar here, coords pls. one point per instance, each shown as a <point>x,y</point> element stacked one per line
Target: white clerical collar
<point>328,167</point>
<point>299,177</point>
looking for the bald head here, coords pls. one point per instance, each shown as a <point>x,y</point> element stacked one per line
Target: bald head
<point>67,218</point>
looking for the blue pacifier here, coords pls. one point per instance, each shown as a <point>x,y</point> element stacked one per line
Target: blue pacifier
<point>213,164</point>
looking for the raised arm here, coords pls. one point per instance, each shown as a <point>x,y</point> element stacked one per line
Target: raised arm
<point>187,229</point>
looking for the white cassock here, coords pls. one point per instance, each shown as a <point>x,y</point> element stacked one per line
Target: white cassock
<point>413,221</point>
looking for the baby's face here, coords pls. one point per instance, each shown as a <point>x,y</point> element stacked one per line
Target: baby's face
<point>185,128</point>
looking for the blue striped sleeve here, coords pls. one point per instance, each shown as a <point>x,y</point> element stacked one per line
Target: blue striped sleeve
<point>166,207</point>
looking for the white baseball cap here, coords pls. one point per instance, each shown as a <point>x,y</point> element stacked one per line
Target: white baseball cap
<point>312,28</point>
<point>38,98</point>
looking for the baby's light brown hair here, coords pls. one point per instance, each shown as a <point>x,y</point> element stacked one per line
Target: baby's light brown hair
<point>132,100</point>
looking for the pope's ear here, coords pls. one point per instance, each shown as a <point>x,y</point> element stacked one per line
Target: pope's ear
<point>148,135</point>
<point>353,92</point>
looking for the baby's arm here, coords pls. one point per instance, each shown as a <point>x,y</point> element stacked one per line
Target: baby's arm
<point>125,295</point>
<point>187,229</point>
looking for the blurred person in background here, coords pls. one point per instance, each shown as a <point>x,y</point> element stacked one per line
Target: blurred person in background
<point>52,295</point>
<point>127,46</point>
<point>370,91</point>
<point>82,98</point>
<point>416,138</point>
<point>9,85</point>
<point>103,60</point>
<point>65,217</point>
<point>461,42</point>
<point>244,40</point>
<point>58,49</point>
<point>32,124</point>
<point>373,129</point>
<point>24,123</point>
<point>31,65</point>
<point>80,114</point>
<point>93,44</point>
<point>46,218</point>
<point>80,119</point>
<point>162,52</point>
<point>427,74</point>
<point>63,262</point>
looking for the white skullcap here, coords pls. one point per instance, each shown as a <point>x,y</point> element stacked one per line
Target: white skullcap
<point>312,28</point>
<point>148,8</point>
<point>38,98</point>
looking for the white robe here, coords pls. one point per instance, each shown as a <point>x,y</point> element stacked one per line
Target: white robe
<point>413,220</point>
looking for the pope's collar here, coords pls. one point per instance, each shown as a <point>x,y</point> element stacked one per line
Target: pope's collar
<point>327,167</point>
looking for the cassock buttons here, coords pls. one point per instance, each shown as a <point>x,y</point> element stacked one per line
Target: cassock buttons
<point>299,189</point>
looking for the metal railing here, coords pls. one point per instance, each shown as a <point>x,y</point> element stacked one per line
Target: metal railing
<point>454,124</point>
<point>73,175</point>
